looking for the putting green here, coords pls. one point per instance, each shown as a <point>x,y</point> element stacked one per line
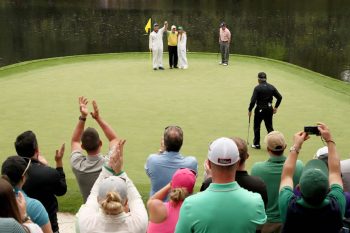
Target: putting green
<point>207,101</point>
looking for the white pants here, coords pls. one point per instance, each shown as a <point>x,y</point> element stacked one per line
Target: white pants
<point>157,55</point>
<point>181,53</point>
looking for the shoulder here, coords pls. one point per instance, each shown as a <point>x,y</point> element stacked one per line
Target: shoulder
<point>251,199</point>
<point>260,169</point>
<point>285,195</point>
<point>41,168</point>
<point>11,224</point>
<point>153,157</point>
<point>258,165</point>
<point>271,86</point>
<point>257,87</point>
<point>337,192</point>
<point>34,228</point>
<point>190,159</point>
<point>256,180</point>
<point>77,155</point>
<point>157,210</point>
<point>34,203</point>
<point>191,162</point>
<point>299,165</point>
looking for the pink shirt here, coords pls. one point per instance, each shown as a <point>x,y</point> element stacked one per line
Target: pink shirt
<point>225,36</point>
<point>169,224</point>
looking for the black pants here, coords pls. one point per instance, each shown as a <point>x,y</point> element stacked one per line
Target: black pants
<point>259,116</point>
<point>172,56</point>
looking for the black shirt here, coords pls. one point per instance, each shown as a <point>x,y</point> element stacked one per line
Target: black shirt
<point>263,95</point>
<point>44,184</point>
<point>251,183</point>
<point>301,219</point>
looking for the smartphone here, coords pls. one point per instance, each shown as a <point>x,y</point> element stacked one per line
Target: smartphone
<point>312,130</point>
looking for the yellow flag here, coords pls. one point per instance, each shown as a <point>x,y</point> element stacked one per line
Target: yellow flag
<point>148,26</point>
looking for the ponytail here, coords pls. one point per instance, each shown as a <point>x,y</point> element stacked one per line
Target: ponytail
<point>178,194</point>
<point>112,204</point>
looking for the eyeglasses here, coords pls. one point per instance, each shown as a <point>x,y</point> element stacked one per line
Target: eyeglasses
<point>28,165</point>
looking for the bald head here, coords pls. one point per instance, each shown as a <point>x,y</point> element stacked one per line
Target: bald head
<point>173,138</point>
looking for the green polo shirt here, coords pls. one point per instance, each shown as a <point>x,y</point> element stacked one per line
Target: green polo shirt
<point>287,194</point>
<point>222,208</point>
<point>270,172</point>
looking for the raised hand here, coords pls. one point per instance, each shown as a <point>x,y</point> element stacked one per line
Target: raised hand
<point>116,159</point>
<point>96,113</point>
<point>162,147</point>
<point>42,160</point>
<point>83,106</point>
<point>59,156</point>
<point>299,138</point>
<point>21,203</point>
<point>324,131</point>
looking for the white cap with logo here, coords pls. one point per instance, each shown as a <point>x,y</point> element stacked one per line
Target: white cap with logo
<point>223,152</point>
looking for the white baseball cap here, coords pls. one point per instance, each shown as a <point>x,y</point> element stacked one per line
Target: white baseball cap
<point>322,153</point>
<point>113,184</point>
<point>223,152</point>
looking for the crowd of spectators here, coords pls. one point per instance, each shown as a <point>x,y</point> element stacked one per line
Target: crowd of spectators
<point>279,195</point>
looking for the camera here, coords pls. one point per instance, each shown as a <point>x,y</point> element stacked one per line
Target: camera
<point>312,130</point>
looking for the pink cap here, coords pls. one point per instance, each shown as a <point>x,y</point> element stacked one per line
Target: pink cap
<point>184,178</point>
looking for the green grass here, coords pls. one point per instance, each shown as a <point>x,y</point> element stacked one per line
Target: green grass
<point>207,101</point>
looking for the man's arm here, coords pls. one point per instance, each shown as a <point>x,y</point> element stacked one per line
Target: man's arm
<point>289,165</point>
<point>278,96</point>
<point>150,42</point>
<point>229,36</point>
<point>252,101</point>
<point>79,128</point>
<point>106,128</point>
<point>60,185</point>
<point>164,28</point>
<point>333,158</point>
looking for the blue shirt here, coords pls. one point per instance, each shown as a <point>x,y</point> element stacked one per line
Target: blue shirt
<point>35,210</point>
<point>161,167</point>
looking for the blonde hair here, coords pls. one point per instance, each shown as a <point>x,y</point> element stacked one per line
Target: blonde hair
<point>178,194</point>
<point>112,204</point>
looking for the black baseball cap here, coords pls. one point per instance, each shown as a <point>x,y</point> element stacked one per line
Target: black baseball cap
<point>262,76</point>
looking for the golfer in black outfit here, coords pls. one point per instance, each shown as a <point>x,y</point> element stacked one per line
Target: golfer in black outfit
<point>262,96</point>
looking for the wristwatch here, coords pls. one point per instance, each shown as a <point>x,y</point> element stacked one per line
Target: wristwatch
<point>293,148</point>
<point>82,118</point>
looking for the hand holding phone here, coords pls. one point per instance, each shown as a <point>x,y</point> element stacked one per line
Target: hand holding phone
<point>312,130</point>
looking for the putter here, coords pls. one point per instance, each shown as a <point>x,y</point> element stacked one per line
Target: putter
<point>248,131</point>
